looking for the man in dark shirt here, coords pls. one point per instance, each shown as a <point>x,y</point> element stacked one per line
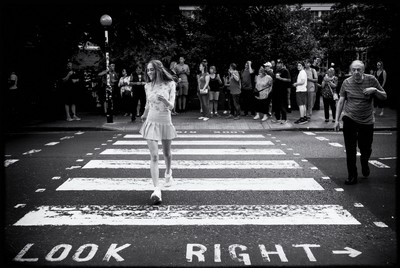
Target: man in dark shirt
<point>356,95</point>
<point>281,83</point>
<point>247,89</point>
<point>137,83</point>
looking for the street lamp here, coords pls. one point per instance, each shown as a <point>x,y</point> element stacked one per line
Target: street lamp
<point>106,21</point>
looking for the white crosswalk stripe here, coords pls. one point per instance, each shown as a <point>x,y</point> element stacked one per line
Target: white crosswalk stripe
<point>189,215</point>
<point>195,164</point>
<point>223,151</point>
<point>218,145</point>
<point>200,142</point>
<point>192,184</point>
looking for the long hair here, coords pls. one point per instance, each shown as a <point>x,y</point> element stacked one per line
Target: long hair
<point>161,74</point>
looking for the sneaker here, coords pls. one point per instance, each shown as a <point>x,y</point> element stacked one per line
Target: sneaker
<point>206,119</point>
<point>326,120</point>
<point>76,118</point>
<point>333,120</point>
<point>201,117</point>
<point>303,120</point>
<point>217,114</point>
<point>169,180</point>
<point>236,117</point>
<point>381,114</point>
<point>225,112</point>
<point>229,116</point>
<point>283,122</point>
<point>156,196</point>
<point>69,119</point>
<point>265,118</point>
<point>298,120</point>
<point>275,121</point>
<point>256,117</point>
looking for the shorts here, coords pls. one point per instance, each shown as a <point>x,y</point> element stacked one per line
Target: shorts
<point>301,98</point>
<point>183,88</point>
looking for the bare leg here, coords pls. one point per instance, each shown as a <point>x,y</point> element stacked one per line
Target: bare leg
<point>73,109</point>
<point>166,144</point>
<point>183,102</point>
<point>153,147</point>
<point>67,111</point>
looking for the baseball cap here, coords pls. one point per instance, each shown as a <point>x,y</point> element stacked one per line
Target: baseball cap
<point>268,64</point>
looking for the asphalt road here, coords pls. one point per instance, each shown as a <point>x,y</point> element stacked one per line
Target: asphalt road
<point>243,198</point>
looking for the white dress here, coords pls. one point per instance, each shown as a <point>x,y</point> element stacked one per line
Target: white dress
<point>158,124</point>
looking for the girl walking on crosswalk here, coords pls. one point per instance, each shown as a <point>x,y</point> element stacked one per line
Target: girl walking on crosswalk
<point>160,96</point>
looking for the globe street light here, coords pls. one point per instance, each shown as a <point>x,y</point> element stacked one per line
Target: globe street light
<point>106,21</point>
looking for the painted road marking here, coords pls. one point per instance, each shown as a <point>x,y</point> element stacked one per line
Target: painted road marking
<point>32,151</point>
<point>207,136</point>
<point>388,158</point>
<point>52,143</point>
<point>9,162</point>
<point>378,164</point>
<point>195,164</point>
<point>322,138</point>
<point>198,142</point>
<point>335,144</point>
<point>380,224</point>
<point>175,151</point>
<point>79,133</point>
<point>188,215</point>
<point>66,137</point>
<point>192,184</point>
<point>309,133</point>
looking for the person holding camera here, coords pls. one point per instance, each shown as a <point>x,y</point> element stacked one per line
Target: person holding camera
<point>261,92</point>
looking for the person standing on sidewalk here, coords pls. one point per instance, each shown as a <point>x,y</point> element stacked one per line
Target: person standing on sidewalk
<point>70,90</point>
<point>234,89</point>
<point>203,89</point>
<point>301,93</point>
<point>215,88</point>
<point>126,92</point>
<point>247,89</point>
<point>160,93</point>
<point>312,79</point>
<point>329,88</point>
<point>356,97</point>
<point>381,75</point>
<point>139,95</point>
<point>282,82</point>
<point>261,92</point>
<point>183,72</point>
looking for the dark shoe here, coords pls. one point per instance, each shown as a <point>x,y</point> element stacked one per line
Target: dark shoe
<point>298,121</point>
<point>326,120</point>
<point>365,171</point>
<point>133,119</point>
<point>303,120</point>
<point>351,181</point>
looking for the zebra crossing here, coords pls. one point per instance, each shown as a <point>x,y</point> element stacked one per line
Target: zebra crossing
<point>237,154</point>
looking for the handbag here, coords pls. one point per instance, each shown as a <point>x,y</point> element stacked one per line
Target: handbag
<point>257,92</point>
<point>204,91</point>
<point>335,95</point>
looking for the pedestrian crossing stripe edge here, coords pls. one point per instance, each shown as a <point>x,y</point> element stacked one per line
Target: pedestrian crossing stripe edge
<point>200,142</point>
<point>192,184</point>
<point>195,164</point>
<point>174,151</point>
<point>173,215</point>
<point>224,136</point>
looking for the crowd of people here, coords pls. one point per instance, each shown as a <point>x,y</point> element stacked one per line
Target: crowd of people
<point>263,92</point>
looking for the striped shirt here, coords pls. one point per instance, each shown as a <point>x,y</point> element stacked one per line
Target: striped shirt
<point>359,107</point>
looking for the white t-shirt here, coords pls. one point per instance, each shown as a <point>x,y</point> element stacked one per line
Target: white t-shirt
<point>302,76</point>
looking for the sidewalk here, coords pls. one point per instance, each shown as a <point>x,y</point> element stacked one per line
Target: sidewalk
<point>190,121</point>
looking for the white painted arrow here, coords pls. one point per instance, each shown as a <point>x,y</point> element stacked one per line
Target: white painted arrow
<point>352,252</point>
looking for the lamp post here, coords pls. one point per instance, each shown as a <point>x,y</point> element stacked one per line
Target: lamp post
<point>106,21</point>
